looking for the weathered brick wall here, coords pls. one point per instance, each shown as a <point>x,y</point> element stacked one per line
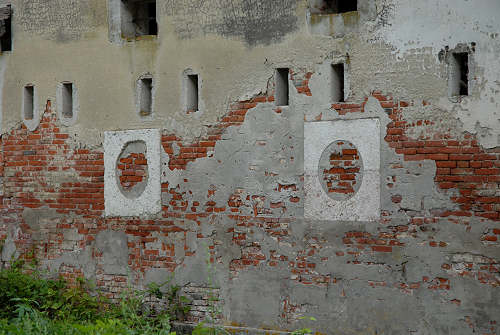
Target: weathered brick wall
<point>53,204</point>
<point>396,233</point>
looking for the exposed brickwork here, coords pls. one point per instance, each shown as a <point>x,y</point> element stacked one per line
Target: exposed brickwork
<point>43,171</point>
<point>384,242</point>
<point>189,152</point>
<point>491,237</point>
<point>34,162</point>
<point>300,79</point>
<point>132,170</point>
<point>342,175</point>
<point>199,302</point>
<point>483,269</point>
<point>466,172</point>
<point>344,108</point>
<point>462,165</point>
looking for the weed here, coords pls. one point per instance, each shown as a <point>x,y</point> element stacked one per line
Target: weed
<point>32,304</point>
<point>177,305</point>
<point>210,326</point>
<point>53,298</point>
<point>304,331</point>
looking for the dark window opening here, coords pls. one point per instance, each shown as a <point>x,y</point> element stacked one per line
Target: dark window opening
<point>459,74</point>
<point>192,95</point>
<point>28,102</point>
<point>139,18</point>
<point>5,29</point>
<point>67,100</point>
<point>344,6</point>
<point>146,97</point>
<point>338,79</point>
<point>333,6</point>
<point>281,89</point>
<point>152,24</point>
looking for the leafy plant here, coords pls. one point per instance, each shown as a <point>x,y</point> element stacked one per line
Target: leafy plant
<point>304,331</point>
<point>178,305</point>
<point>53,298</point>
<point>32,304</point>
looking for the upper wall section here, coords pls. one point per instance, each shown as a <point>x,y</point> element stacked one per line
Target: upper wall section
<point>254,21</point>
<point>60,20</point>
<point>234,46</point>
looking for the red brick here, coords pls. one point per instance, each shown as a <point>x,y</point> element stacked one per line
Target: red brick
<point>483,157</point>
<point>487,171</point>
<point>381,248</point>
<point>406,151</point>
<point>413,144</point>
<point>437,157</point>
<point>490,238</point>
<point>459,157</point>
<point>207,144</point>
<point>443,171</point>
<point>446,164</point>
<point>449,150</point>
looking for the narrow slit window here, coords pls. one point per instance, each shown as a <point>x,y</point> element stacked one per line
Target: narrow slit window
<point>146,96</point>
<point>138,18</point>
<point>5,29</point>
<point>152,24</point>
<point>333,6</point>
<point>192,93</point>
<point>28,102</point>
<point>67,100</point>
<point>281,89</point>
<point>337,83</point>
<point>458,80</point>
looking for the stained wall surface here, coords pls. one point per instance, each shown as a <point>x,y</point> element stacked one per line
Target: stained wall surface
<point>416,249</point>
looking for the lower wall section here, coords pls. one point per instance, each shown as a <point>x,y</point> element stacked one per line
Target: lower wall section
<point>187,329</point>
<point>234,232</point>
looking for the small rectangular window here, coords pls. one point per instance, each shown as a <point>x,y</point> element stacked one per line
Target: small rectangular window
<point>138,18</point>
<point>152,24</point>
<point>332,6</point>
<point>458,81</point>
<point>344,6</point>
<point>67,100</point>
<point>28,102</point>
<point>146,96</point>
<point>337,82</point>
<point>5,29</point>
<point>281,87</point>
<point>192,93</point>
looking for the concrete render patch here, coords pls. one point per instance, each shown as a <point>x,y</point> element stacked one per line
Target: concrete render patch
<point>114,248</point>
<point>149,202</point>
<point>365,204</point>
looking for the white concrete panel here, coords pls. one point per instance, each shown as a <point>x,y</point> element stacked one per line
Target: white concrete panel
<point>365,204</point>
<point>149,202</point>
